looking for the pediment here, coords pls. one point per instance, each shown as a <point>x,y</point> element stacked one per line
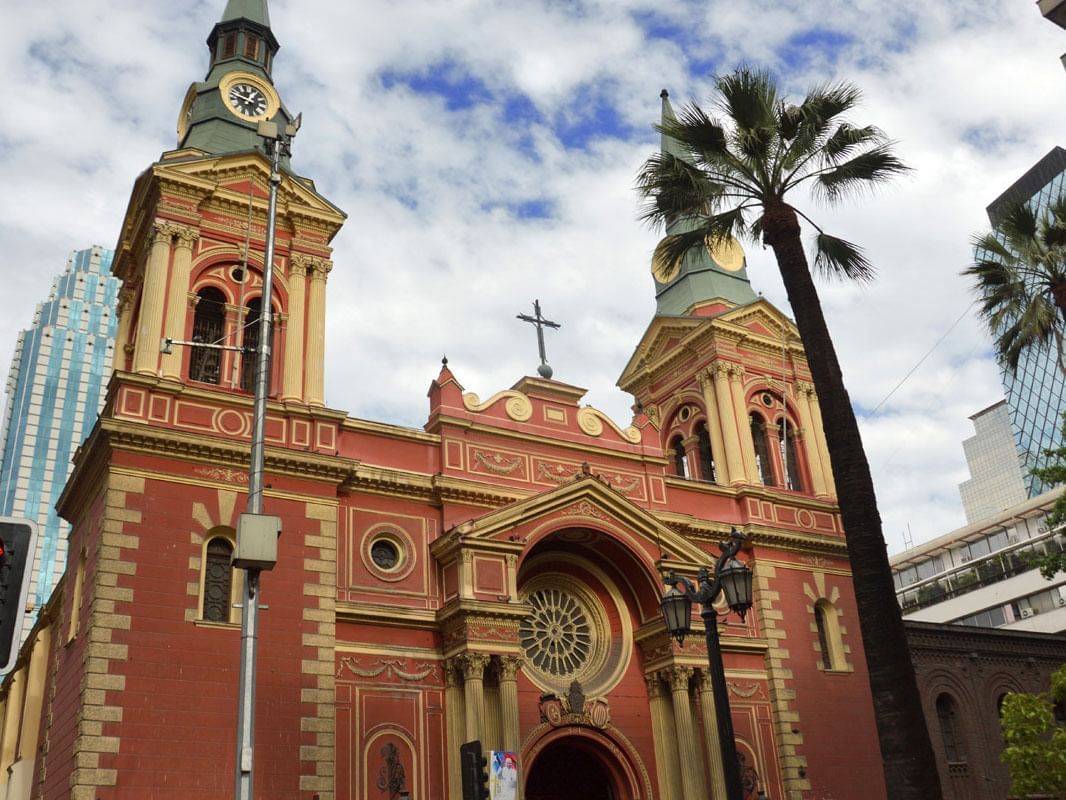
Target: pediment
<point>587,502</point>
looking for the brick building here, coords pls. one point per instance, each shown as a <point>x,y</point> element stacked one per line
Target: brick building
<point>495,575</point>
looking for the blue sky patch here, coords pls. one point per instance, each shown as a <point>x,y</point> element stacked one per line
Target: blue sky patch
<point>817,44</point>
<point>540,208</point>
<point>590,116</point>
<point>449,80</point>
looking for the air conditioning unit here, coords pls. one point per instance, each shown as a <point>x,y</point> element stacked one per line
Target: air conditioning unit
<point>1062,601</point>
<point>1027,613</point>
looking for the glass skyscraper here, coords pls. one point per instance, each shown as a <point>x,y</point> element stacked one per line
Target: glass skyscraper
<point>54,392</point>
<point>1036,393</point>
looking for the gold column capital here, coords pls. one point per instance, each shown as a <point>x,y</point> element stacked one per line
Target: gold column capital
<point>654,684</point>
<point>703,681</point>
<point>704,378</point>
<point>473,665</point>
<point>163,232</point>
<point>186,235</point>
<point>319,269</point>
<point>509,666</point>
<point>679,678</point>
<point>452,673</point>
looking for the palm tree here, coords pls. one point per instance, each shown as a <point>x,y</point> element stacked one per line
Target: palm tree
<point>735,176</point>
<point>1020,277</point>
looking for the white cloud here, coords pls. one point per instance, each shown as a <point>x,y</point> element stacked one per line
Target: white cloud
<point>973,92</point>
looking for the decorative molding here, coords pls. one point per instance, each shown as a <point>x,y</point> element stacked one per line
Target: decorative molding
<point>391,668</point>
<point>518,407</point>
<point>591,420</point>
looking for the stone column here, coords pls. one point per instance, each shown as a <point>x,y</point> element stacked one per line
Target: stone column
<point>177,294</point>
<point>474,693</point>
<point>730,424</point>
<point>714,427</point>
<point>664,738</point>
<point>711,746</point>
<point>153,295</point>
<point>688,746</point>
<point>293,373</point>
<point>823,447</point>
<point>453,707</point>
<point>125,321</point>
<point>810,439</point>
<point>314,375</point>
<point>747,445</point>
<point>12,717</point>
<point>509,666</point>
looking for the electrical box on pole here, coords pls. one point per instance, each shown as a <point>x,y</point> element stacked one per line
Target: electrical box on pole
<point>257,541</point>
<point>18,543</point>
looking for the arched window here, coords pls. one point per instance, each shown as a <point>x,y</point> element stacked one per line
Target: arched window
<point>949,729</point>
<point>250,356</point>
<point>208,327</point>
<point>764,466</point>
<point>680,464</point>
<point>823,636</point>
<point>703,440</point>
<point>786,439</point>
<point>218,580</point>
<point>832,654</point>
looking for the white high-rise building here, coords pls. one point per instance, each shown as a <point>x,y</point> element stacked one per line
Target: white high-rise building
<point>996,481</point>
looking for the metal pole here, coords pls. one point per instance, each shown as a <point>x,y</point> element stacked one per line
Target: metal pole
<point>726,739</point>
<point>250,611</point>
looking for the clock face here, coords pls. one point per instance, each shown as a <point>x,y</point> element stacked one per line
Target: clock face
<point>247,100</point>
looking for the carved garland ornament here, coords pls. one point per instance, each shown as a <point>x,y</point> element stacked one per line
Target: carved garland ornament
<point>391,667</point>
<point>496,463</point>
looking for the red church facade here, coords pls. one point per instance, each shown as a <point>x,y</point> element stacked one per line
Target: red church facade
<point>495,575</point>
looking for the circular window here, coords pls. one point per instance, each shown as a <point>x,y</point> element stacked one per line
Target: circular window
<point>388,553</point>
<point>237,273</point>
<point>385,554</point>
<point>557,636</point>
<point>767,399</point>
<point>569,634</point>
<point>684,414</point>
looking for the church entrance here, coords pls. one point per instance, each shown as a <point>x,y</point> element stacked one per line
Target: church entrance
<point>566,770</point>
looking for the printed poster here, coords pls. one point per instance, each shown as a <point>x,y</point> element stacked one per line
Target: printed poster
<point>503,775</point>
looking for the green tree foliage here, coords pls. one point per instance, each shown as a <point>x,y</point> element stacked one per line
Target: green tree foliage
<point>1035,751</point>
<point>739,171</point>
<point>1054,474</point>
<point>1020,278</point>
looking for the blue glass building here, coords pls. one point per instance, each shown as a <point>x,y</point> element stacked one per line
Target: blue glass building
<point>1036,393</point>
<point>54,392</point>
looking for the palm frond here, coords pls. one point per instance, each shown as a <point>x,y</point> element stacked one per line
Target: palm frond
<point>749,98</point>
<point>695,131</point>
<point>846,138</point>
<point>672,187</point>
<point>837,258</point>
<point>859,173</point>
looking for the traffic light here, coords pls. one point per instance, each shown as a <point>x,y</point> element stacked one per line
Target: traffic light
<point>18,538</point>
<point>475,771</point>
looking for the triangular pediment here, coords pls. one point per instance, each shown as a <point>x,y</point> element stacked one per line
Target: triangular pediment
<point>759,323</point>
<point>587,502</point>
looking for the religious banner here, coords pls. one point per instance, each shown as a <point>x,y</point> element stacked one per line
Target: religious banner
<point>503,775</point>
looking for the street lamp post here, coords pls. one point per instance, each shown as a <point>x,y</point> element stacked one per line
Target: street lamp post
<point>733,579</point>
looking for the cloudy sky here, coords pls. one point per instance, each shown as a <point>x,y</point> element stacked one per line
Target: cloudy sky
<point>485,153</point>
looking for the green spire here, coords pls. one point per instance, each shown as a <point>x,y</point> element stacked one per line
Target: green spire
<point>704,276</point>
<point>251,10</point>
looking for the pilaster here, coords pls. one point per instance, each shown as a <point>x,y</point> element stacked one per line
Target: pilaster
<point>727,416</point>
<point>667,764</point>
<point>811,435</point>
<point>473,665</point>
<point>819,437</point>
<point>714,426</point>
<point>153,296</point>
<point>712,749</point>
<point>740,411</point>
<point>293,373</point>
<point>314,358</point>
<point>453,708</point>
<point>177,292</point>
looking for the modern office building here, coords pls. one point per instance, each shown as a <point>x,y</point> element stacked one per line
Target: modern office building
<point>54,391</point>
<point>996,481</point>
<point>1036,392</point>
<point>979,575</point>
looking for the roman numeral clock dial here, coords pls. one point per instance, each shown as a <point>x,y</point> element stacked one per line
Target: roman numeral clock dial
<point>247,100</point>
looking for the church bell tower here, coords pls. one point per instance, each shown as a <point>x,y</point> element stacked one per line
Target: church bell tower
<point>194,236</point>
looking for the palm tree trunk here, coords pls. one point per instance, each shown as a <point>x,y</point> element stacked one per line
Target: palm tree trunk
<point>910,765</point>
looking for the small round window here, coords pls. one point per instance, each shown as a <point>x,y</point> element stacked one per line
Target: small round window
<point>385,554</point>
<point>237,274</point>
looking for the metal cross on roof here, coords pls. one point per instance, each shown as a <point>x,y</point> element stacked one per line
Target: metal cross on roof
<point>537,319</point>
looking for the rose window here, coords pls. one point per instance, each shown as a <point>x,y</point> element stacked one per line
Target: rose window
<point>557,636</point>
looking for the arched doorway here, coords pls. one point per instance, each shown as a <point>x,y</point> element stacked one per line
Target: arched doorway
<point>570,768</point>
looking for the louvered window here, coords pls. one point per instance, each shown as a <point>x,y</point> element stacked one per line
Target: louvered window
<point>208,327</point>
<point>218,576</point>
